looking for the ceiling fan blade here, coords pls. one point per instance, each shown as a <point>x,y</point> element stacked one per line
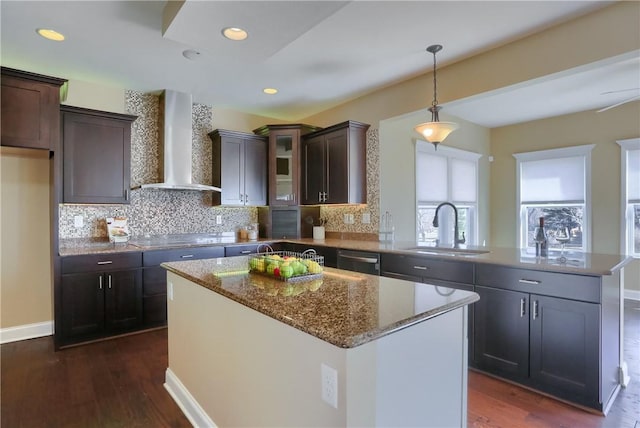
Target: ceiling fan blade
<point>620,90</point>
<point>628,100</point>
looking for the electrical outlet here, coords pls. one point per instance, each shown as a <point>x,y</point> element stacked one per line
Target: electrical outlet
<point>348,219</point>
<point>218,219</point>
<point>366,218</point>
<point>329,384</point>
<point>78,221</point>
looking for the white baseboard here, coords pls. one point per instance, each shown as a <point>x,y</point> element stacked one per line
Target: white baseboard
<point>186,402</point>
<point>27,331</point>
<point>632,294</point>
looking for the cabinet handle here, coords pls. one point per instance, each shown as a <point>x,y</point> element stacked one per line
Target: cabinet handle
<point>109,281</point>
<point>523,307</point>
<point>100,282</point>
<point>126,194</point>
<point>106,262</point>
<point>319,196</point>
<point>535,309</point>
<point>293,197</point>
<point>241,197</point>
<point>370,260</point>
<point>325,197</point>
<point>186,256</point>
<point>421,267</point>
<point>245,252</point>
<point>529,281</point>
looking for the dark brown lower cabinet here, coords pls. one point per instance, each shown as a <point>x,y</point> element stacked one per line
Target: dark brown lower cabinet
<point>564,348</point>
<point>549,343</point>
<point>154,295</point>
<point>501,327</point>
<point>100,295</point>
<point>96,304</point>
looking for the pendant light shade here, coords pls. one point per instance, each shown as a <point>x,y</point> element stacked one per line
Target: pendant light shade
<point>435,131</point>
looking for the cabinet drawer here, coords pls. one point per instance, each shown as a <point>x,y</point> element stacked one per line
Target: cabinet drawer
<point>101,262</point>
<point>155,257</point>
<point>241,250</point>
<point>568,286</point>
<point>428,268</point>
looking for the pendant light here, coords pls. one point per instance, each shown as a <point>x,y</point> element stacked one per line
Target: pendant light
<point>435,131</point>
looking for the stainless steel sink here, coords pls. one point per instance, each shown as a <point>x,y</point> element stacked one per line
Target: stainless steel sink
<point>464,252</point>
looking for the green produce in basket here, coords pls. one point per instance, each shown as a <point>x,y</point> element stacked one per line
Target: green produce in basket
<point>257,264</point>
<point>271,267</point>
<point>286,271</point>
<point>299,268</point>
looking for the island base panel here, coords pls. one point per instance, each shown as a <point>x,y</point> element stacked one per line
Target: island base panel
<point>240,367</point>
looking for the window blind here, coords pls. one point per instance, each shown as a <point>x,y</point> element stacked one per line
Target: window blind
<point>431,171</point>
<point>553,180</point>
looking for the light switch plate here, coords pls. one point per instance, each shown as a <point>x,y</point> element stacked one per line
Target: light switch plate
<point>218,219</point>
<point>78,221</point>
<point>366,218</point>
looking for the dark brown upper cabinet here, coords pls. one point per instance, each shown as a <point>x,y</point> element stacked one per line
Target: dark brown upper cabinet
<point>333,165</point>
<point>30,104</point>
<point>284,161</point>
<point>96,156</point>
<point>239,168</point>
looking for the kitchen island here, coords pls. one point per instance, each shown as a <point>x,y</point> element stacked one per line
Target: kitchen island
<point>348,349</point>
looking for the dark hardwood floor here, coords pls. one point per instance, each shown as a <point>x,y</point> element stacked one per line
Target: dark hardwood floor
<point>118,383</point>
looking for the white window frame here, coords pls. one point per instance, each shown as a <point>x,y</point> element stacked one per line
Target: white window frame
<point>626,218</point>
<point>446,226</point>
<point>574,151</point>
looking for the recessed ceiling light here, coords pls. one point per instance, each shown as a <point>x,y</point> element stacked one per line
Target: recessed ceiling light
<point>50,34</point>
<point>235,33</point>
<point>270,91</point>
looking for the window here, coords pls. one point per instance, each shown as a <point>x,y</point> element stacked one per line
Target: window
<point>555,184</point>
<point>446,175</point>
<point>630,162</point>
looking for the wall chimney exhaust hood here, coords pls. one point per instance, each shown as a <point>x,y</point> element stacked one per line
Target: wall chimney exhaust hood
<point>176,135</point>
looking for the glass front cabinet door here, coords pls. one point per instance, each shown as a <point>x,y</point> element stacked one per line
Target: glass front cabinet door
<point>284,161</point>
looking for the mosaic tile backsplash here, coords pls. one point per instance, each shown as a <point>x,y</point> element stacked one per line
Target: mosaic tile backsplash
<point>154,211</point>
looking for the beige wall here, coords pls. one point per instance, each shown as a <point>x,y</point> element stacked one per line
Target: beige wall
<point>25,256</point>
<point>236,121</point>
<point>95,96</point>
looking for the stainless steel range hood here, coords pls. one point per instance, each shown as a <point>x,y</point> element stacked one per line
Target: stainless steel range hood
<point>176,149</point>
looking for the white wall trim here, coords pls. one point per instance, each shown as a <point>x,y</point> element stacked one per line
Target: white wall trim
<point>26,331</point>
<point>632,294</point>
<point>626,234</point>
<point>186,402</point>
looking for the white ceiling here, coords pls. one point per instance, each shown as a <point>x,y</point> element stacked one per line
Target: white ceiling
<point>317,53</point>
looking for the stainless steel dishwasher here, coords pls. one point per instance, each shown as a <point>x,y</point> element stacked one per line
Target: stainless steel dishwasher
<point>359,261</point>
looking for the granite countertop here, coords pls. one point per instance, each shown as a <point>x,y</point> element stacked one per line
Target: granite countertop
<point>84,246</point>
<point>346,309</point>
<point>578,263</point>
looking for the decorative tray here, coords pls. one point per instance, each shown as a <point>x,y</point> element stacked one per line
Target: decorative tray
<point>287,265</point>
